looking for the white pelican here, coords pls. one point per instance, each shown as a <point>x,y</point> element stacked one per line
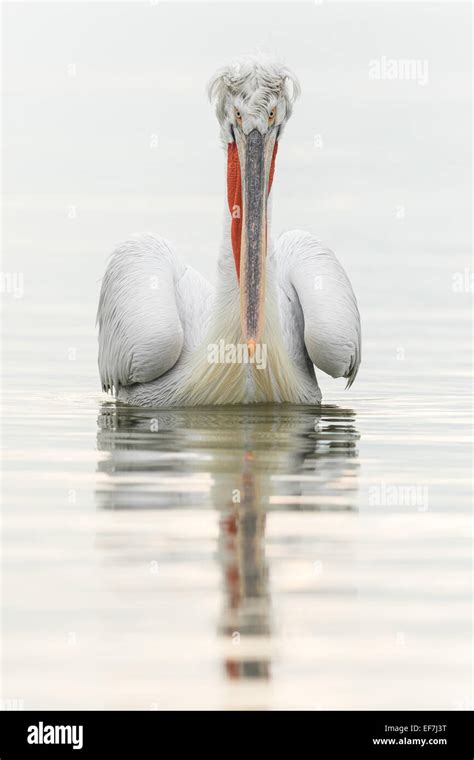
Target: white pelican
<point>166,337</point>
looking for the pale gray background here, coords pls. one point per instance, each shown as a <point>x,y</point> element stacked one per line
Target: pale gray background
<point>391,612</point>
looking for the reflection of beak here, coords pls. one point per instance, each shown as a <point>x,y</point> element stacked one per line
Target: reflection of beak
<point>256,156</point>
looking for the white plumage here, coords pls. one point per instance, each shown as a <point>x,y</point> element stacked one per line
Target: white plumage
<point>158,318</point>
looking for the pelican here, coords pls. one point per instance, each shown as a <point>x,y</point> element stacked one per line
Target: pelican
<point>278,310</point>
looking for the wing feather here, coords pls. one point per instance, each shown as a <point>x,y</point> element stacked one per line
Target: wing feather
<point>140,332</point>
<point>332,333</point>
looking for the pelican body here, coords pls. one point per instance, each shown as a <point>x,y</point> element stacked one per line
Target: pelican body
<point>167,338</point>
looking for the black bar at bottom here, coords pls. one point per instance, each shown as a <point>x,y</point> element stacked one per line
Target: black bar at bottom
<point>109,734</point>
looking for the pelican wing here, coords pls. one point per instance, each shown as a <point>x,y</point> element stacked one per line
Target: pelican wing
<point>140,330</point>
<point>330,318</point>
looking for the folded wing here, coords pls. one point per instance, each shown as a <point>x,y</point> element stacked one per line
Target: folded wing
<point>311,273</point>
<point>140,331</point>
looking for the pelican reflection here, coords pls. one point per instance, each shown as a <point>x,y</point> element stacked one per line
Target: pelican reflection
<point>245,463</point>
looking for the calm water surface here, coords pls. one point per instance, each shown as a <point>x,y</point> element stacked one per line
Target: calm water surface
<point>257,557</point>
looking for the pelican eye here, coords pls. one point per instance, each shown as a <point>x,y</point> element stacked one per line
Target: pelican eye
<point>238,116</point>
<point>271,116</point>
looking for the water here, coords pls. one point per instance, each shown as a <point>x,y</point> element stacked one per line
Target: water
<point>241,557</point>
<point>257,557</point>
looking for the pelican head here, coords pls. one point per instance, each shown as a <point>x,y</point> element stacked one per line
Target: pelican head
<point>254,96</point>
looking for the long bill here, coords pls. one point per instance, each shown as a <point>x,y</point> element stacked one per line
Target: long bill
<point>256,156</point>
